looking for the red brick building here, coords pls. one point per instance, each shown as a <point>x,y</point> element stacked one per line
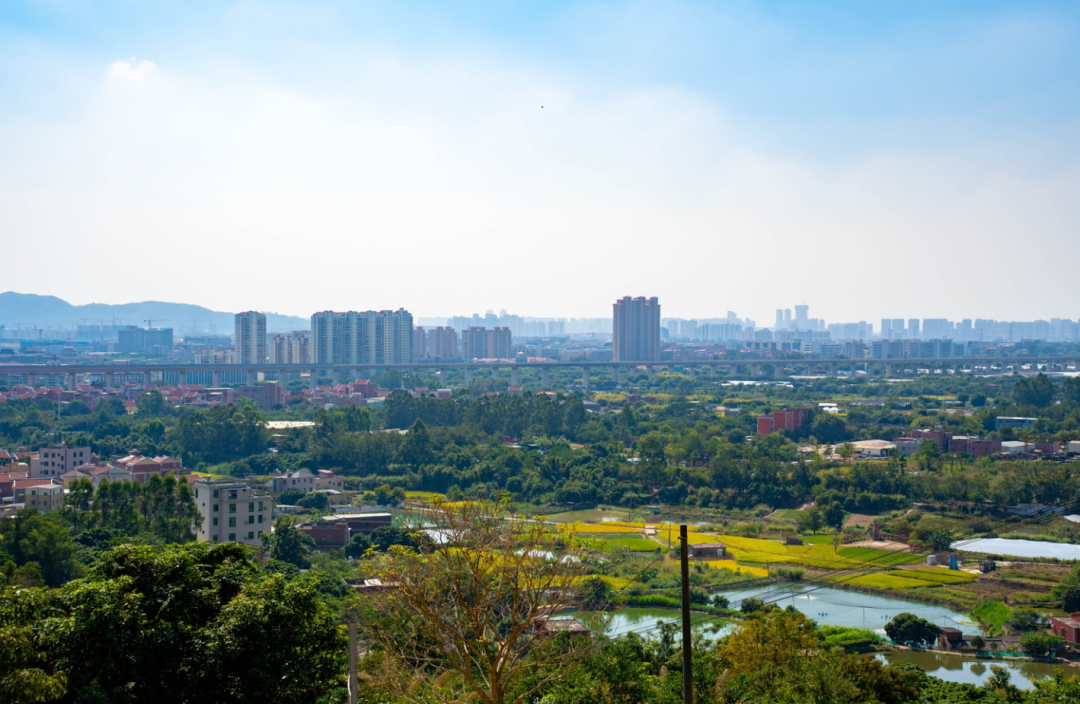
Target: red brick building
<point>1068,627</point>
<point>786,419</point>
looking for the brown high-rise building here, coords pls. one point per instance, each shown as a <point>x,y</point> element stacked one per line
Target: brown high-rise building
<point>636,329</point>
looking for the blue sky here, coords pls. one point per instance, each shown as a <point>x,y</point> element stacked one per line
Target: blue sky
<point>872,159</point>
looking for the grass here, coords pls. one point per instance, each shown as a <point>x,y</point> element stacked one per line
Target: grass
<point>579,527</point>
<point>885,557</point>
<point>792,513</point>
<point>888,580</point>
<point>423,495</point>
<point>819,555</point>
<point>942,576</point>
<point>993,613</point>
<point>731,566</point>
<point>636,544</point>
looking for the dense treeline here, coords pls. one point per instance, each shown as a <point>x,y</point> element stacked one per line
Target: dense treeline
<point>186,624</point>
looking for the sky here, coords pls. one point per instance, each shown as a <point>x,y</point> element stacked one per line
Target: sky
<point>916,159</point>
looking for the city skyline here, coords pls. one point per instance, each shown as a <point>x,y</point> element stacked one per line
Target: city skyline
<point>916,160</point>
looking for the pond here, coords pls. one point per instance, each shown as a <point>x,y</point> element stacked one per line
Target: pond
<point>643,620</point>
<point>963,668</point>
<point>1020,548</point>
<point>837,607</point>
<point>588,515</point>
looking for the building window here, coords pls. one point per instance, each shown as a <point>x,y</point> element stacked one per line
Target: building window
<point>215,507</point>
<point>215,493</point>
<point>196,493</point>
<point>260,518</point>
<point>232,508</point>
<point>232,537</point>
<point>232,522</point>
<point>215,520</point>
<point>260,506</point>
<point>251,519</point>
<point>251,535</point>
<point>251,508</point>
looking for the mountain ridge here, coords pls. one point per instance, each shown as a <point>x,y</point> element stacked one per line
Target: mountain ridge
<point>30,309</point>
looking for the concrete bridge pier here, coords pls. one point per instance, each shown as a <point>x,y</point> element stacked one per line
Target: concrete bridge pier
<point>110,381</point>
<point>146,379</point>
<point>442,377</point>
<point>182,376</point>
<point>252,377</point>
<point>216,378</point>
<point>494,372</point>
<point>335,375</point>
<point>468,377</point>
<point>514,381</point>
<point>545,377</point>
<point>778,371</point>
<point>72,382</point>
<point>691,372</point>
<point>585,377</point>
<point>615,376</point>
<point>313,378</point>
<point>888,370</point>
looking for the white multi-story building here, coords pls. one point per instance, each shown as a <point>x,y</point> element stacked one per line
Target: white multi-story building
<point>371,337</point>
<point>52,462</point>
<point>232,512</point>
<point>250,338</point>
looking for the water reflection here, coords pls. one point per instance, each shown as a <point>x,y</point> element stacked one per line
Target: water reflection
<point>961,668</point>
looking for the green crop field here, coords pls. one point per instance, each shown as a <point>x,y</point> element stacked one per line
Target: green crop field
<point>888,580</point>
<point>883,557</point>
<point>941,576</point>
<point>635,544</point>
<point>792,513</point>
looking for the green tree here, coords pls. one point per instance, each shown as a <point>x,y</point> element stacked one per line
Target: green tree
<point>151,405</point>
<point>24,676</point>
<point>940,540</point>
<point>912,631</point>
<point>415,449</point>
<point>834,515</point>
<point>596,594</point>
<point>275,642</point>
<point>1035,391</point>
<point>33,537</point>
<point>287,543</point>
<point>828,428</point>
<point>1025,618</point>
<point>1041,644</point>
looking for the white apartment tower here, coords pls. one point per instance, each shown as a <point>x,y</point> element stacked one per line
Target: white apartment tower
<point>250,338</point>
<point>636,329</point>
<point>382,337</point>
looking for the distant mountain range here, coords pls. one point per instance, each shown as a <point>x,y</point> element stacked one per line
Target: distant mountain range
<point>28,309</point>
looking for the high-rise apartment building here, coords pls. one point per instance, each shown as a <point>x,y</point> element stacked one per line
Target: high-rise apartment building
<point>636,329</point>
<point>382,337</point>
<point>291,348</point>
<point>250,338</point>
<point>442,343</point>
<point>802,319</point>
<point>485,343</point>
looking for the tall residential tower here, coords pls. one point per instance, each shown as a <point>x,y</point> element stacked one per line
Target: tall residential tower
<point>636,329</point>
<point>250,338</point>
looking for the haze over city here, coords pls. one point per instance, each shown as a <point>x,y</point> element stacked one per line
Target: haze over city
<point>548,158</point>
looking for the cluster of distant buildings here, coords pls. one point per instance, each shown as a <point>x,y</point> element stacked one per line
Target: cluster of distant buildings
<point>793,419</point>
<point>39,479</point>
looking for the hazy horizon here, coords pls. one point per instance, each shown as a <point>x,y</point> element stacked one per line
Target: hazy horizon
<point>916,160</point>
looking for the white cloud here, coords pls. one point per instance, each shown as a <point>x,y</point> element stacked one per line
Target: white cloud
<point>445,187</point>
<point>132,70</point>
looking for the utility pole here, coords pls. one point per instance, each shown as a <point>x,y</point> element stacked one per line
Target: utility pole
<point>352,663</point>
<point>687,659</point>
